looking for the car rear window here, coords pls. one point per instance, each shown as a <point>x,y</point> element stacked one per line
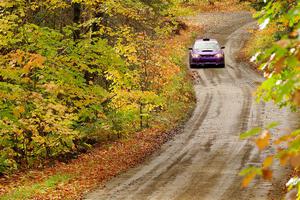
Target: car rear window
<point>206,46</point>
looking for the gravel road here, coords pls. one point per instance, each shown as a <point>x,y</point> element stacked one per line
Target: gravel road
<point>204,160</point>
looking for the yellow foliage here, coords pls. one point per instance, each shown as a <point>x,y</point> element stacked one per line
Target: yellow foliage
<point>263,140</point>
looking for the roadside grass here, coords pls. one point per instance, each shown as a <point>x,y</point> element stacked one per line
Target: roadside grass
<point>73,179</point>
<point>26,192</point>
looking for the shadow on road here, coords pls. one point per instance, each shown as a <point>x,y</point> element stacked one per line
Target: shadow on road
<point>207,67</point>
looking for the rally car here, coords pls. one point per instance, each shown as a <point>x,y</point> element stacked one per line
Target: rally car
<point>206,52</point>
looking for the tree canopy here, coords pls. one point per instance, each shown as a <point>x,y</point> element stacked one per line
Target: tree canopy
<point>73,71</point>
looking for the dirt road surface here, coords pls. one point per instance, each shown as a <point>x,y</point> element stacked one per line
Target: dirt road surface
<point>203,161</point>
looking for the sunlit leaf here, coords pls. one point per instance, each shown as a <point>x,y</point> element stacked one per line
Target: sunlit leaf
<point>249,170</point>
<point>268,162</point>
<point>263,140</point>
<point>17,111</point>
<point>251,132</point>
<point>247,179</point>
<point>284,158</point>
<point>272,125</point>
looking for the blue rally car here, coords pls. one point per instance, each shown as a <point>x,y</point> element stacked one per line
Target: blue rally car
<point>206,52</point>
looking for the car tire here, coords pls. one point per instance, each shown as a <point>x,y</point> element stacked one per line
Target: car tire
<point>222,65</point>
<point>192,66</point>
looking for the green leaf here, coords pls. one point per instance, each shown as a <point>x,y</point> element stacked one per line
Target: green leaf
<point>272,125</point>
<point>249,170</point>
<point>250,133</point>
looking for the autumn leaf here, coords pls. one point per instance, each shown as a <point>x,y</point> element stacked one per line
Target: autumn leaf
<point>279,65</point>
<point>296,97</point>
<point>263,140</point>
<point>282,139</point>
<point>283,159</point>
<point>18,110</point>
<point>267,174</point>
<point>268,162</point>
<point>247,179</point>
<point>295,160</point>
<point>249,174</point>
<point>294,34</point>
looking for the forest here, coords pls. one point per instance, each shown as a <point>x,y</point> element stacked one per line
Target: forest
<point>74,73</point>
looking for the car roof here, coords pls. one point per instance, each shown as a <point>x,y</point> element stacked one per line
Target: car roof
<point>206,40</point>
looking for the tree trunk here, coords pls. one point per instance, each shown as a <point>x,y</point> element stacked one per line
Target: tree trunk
<point>76,19</point>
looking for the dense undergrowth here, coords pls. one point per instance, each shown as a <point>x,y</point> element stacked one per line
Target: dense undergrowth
<point>74,73</point>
